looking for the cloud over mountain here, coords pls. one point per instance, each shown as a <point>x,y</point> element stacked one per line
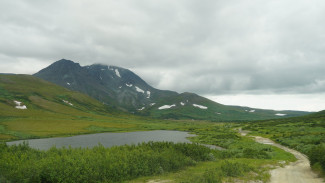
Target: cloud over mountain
<point>208,47</point>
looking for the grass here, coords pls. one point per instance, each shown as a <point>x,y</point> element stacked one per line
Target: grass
<point>257,171</point>
<point>245,159</point>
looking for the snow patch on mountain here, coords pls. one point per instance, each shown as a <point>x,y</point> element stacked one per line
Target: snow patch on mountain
<point>152,104</point>
<point>19,106</point>
<point>129,85</point>
<point>67,102</point>
<point>139,89</point>
<point>68,83</point>
<point>141,109</point>
<point>182,103</point>
<point>252,110</point>
<point>280,114</point>
<point>148,93</point>
<point>117,73</point>
<point>200,106</point>
<point>166,106</point>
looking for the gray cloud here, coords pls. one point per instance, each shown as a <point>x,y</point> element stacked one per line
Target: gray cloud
<point>209,47</point>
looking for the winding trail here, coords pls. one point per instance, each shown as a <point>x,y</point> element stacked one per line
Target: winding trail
<point>296,172</point>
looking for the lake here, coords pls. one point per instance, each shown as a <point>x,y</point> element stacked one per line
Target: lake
<point>107,139</point>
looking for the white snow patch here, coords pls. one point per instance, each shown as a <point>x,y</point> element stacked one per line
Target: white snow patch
<point>19,106</point>
<point>129,85</point>
<point>152,104</point>
<point>17,102</point>
<point>117,73</point>
<point>139,89</point>
<point>141,109</point>
<point>182,103</point>
<point>68,83</point>
<point>67,102</point>
<point>200,106</point>
<point>148,93</point>
<point>120,87</point>
<point>166,106</point>
<point>280,114</point>
<point>252,110</point>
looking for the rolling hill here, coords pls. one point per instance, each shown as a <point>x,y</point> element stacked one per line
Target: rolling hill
<point>31,107</point>
<point>193,106</point>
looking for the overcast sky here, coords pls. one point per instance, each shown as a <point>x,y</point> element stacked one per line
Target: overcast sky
<point>232,51</point>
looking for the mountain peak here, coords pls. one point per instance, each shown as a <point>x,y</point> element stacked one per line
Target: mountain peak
<point>111,85</point>
<point>65,62</point>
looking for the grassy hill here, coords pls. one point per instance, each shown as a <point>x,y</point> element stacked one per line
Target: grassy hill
<point>52,110</point>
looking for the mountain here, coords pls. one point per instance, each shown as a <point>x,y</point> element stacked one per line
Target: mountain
<point>123,89</point>
<point>111,85</point>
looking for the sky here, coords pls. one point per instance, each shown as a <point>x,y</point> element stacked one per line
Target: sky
<point>256,53</point>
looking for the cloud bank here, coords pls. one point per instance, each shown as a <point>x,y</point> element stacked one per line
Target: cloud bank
<point>210,47</point>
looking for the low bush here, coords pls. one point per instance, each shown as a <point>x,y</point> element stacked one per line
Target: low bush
<point>99,164</point>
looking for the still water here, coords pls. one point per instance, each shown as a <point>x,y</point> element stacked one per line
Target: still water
<point>107,139</point>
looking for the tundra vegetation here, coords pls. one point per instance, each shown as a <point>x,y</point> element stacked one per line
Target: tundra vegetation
<point>242,158</point>
<point>305,134</point>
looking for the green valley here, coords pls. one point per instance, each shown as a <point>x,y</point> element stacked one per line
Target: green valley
<point>33,108</point>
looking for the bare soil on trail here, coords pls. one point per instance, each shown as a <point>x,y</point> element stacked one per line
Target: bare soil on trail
<point>296,172</point>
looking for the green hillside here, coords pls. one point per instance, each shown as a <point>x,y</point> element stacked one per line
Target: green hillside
<point>192,106</point>
<point>52,110</point>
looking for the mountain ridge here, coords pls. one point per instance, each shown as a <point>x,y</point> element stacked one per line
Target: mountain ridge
<point>123,89</point>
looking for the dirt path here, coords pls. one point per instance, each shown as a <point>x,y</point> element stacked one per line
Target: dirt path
<point>295,172</point>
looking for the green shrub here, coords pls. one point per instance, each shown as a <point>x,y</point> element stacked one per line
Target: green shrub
<point>234,169</point>
<point>99,164</point>
<point>317,155</point>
